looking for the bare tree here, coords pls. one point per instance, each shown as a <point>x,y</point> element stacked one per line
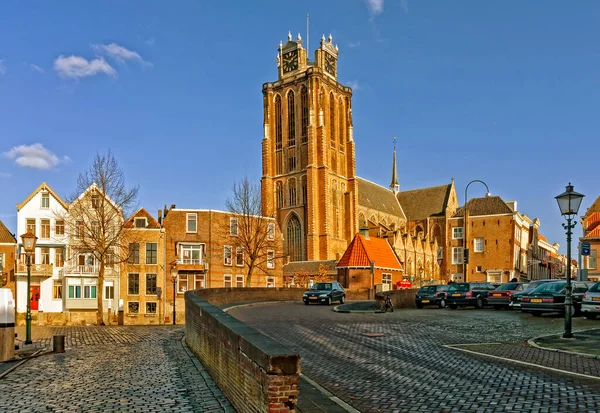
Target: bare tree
<point>256,234</point>
<point>94,221</point>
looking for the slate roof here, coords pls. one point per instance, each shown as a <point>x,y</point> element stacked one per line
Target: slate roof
<point>422,203</point>
<point>5,235</point>
<point>142,213</point>
<point>489,205</point>
<point>373,196</point>
<point>310,267</point>
<point>362,251</point>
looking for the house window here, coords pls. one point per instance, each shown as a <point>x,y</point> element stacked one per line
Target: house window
<point>57,290</point>
<point>270,259</point>
<point>45,255</point>
<point>227,280</point>
<point>386,278</point>
<point>239,280</point>
<point>1,262</point>
<point>189,281</point>
<point>227,255</point>
<point>270,231</point>
<point>45,228</point>
<point>95,201</point>
<point>191,254</point>
<point>592,260</point>
<point>151,253</point>
<point>140,222</point>
<point>45,200</point>
<point>517,233</point>
<point>291,120</point>
<point>30,222</point>
<point>239,256</point>
<point>457,232</point>
<point>478,268</point>
<point>233,226</point>
<point>89,291</point>
<point>109,290</point>
<point>192,222</point>
<point>134,253</point>
<point>74,291</point>
<point>151,284</point>
<point>151,307</point>
<point>457,255</point>
<point>79,229</point>
<point>478,244</point>
<point>270,282</point>
<point>133,283</point>
<point>59,227</point>
<point>133,307</point>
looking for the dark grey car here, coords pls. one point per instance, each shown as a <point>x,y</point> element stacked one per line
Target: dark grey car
<point>325,293</point>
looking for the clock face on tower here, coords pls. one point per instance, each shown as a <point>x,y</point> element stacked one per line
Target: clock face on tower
<point>290,61</point>
<point>330,64</point>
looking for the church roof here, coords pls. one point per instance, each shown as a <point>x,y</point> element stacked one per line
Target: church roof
<point>310,267</point>
<point>373,196</point>
<point>423,203</point>
<point>5,235</point>
<point>489,205</point>
<point>362,251</point>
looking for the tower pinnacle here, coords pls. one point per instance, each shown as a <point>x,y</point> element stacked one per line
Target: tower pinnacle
<point>394,185</point>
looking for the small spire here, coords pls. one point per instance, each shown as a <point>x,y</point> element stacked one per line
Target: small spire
<point>323,37</point>
<point>394,185</point>
<point>336,48</point>
<point>299,37</point>
<point>330,38</point>
<point>289,36</point>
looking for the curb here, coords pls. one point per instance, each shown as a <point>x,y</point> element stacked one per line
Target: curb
<point>532,343</point>
<point>4,373</point>
<point>355,311</point>
<point>226,309</point>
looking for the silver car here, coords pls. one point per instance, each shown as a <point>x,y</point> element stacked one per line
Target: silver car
<point>590,304</point>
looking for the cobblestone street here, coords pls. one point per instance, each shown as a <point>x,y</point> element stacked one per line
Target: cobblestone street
<point>112,369</point>
<point>404,366</point>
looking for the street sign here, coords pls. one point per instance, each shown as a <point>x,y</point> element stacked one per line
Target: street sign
<point>585,248</point>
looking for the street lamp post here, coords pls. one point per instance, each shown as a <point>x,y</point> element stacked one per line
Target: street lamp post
<point>465,249</point>
<point>569,202</point>
<point>28,240</point>
<point>174,280</point>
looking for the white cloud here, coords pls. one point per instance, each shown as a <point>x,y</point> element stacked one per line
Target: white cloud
<point>375,7</point>
<point>2,67</point>
<point>35,67</point>
<point>34,156</point>
<point>119,53</point>
<point>77,67</point>
<point>354,85</point>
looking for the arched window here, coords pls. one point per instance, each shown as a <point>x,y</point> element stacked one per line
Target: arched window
<point>332,119</point>
<point>294,239</point>
<point>304,190</point>
<point>292,191</point>
<point>304,108</point>
<point>291,120</point>
<point>279,194</point>
<point>278,135</point>
<point>341,124</point>
<point>362,221</point>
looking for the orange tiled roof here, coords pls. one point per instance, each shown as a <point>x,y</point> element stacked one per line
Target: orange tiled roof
<point>595,233</point>
<point>594,217</point>
<point>5,235</point>
<point>362,251</point>
<point>542,238</point>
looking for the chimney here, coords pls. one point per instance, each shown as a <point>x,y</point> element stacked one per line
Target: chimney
<point>364,231</point>
<point>160,217</point>
<point>512,205</point>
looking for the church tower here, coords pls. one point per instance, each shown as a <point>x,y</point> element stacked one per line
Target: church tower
<point>309,171</point>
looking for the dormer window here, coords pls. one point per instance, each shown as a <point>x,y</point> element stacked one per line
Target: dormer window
<point>140,222</point>
<point>95,201</point>
<point>45,200</point>
<point>233,226</point>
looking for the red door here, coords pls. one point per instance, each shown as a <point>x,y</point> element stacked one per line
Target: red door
<point>35,296</point>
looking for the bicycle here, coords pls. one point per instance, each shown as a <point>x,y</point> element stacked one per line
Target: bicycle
<point>388,304</point>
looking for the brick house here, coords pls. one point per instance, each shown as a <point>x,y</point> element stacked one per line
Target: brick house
<point>8,255</point>
<point>143,279</point>
<point>354,268</point>
<point>543,261</point>
<point>590,223</point>
<point>203,251</point>
<point>497,236</point>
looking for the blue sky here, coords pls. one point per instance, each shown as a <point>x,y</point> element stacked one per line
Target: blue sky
<point>506,92</point>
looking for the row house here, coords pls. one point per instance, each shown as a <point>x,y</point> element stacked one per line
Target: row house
<point>8,253</point>
<point>542,257</point>
<point>206,249</point>
<point>497,237</point>
<point>590,223</point>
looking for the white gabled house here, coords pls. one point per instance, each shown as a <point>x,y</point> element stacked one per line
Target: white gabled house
<point>40,213</point>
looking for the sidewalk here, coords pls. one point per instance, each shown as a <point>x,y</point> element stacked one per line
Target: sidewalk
<point>584,343</point>
<point>358,307</point>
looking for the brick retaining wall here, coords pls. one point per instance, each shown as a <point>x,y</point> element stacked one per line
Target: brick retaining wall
<point>256,373</point>
<point>400,298</point>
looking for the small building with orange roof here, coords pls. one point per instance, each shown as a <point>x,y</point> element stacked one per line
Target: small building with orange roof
<point>367,262</point>
<point>591,234</point>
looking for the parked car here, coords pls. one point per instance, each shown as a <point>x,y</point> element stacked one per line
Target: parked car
<point>500,297</point>
<point>550,298</point>
<point>325,293</point>
<point>471,293</point>
<point>515,298</point>
<point>590,304</point>
<point>431,295</point>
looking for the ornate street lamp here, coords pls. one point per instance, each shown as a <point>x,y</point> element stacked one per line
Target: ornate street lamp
<point>465,245</point>
<point>174,280</point>
<point>28,240</point>
<point>569,202</point>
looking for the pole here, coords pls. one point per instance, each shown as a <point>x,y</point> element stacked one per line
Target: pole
<point>579,267</point>
<point>568,297</point>
<point>174,297</point>
<point>28,316</point>
<point>465,236</point>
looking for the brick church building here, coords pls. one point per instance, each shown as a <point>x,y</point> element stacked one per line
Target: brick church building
<point>309,182</point>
